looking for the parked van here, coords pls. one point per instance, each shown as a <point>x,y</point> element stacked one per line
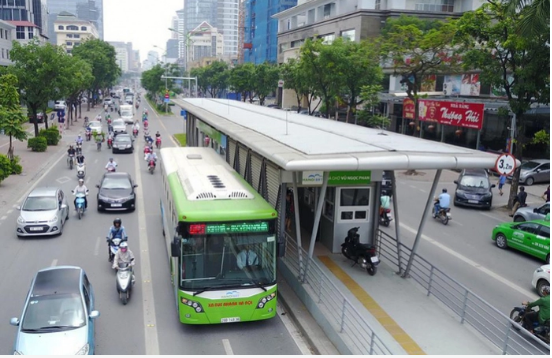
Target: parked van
<point>127,113</point>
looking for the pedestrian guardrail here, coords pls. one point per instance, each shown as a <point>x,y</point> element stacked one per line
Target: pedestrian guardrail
<point>342,315</point>
<point>494,325</point>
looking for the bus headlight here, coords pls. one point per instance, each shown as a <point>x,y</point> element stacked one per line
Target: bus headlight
<point>264,300</point>
<point>195,305</point>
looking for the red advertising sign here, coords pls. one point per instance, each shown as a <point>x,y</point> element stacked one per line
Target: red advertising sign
<point>460,114</point>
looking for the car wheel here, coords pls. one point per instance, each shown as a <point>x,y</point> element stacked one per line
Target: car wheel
<point>501,241</point>
<point>529,181</point>
<point>519,219</point>
<point>541,285</point>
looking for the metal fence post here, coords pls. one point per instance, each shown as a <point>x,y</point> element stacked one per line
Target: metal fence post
<point>430,280</point>
<point>465,303</point>
<point>343,315</point>
<point>372,339</point>
<point>396,213</point>
<point>506,339</point>
<point>320,289</point>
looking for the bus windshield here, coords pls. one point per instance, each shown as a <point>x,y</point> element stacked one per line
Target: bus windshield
<point>223,261</point>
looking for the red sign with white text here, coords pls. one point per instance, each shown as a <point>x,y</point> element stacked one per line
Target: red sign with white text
<point>460,114</point>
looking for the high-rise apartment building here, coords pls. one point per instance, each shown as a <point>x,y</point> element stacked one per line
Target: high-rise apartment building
<point>89,10</point>
<point>179,35</point>
<point>261,30</point>
<point>206,41</point>
<point>26,13</point>
<point>71,31</point>
<point>124,55</point>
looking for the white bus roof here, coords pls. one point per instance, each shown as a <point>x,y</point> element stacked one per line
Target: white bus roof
<point>204,175</point>
<point>322,144</point>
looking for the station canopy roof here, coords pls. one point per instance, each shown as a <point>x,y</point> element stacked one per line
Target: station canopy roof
<point>313,143</point>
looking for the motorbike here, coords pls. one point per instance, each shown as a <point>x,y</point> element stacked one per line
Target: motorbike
<point>99,144</point>
<point>111,169</point>
<point>113,247</point>
<point>80,203</point>
<point>385,217</point>
<point>151,166</point>
<point>158,142</point>
<point>109,142</point>
<point>88,135</point>
<point>135,132</point>
<point>125,281</point>
<point>542,332</point>
<point>363,254</point>
<point>443,215</point>
<point>81,171</point>
<point>70,161</point>
<point>79,148</point>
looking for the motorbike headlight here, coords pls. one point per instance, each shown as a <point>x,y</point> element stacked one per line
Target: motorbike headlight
<point>53,220</point>
<point>84,350</point>
<point>21,220</point>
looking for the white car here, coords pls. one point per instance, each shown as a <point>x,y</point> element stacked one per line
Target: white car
<point>96,126</point>
<point>119,126</point>
<point>108,101</point>
<point>58,105</point>
<point>541,278</point>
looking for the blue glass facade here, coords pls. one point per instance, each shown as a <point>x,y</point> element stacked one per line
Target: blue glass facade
<point>261,29</point>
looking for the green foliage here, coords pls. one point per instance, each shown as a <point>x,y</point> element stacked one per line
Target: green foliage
<point>202,80</point>
<point>216,75</point>
<point>6,168</point>
<point>266,80</point>
<point>294,78</point>
<point>152,82</point>
<point>11,114</point>
<point>51,134</point>
<point>536,17</point>
<point>37,144</point>
<point>76,79</point>
<point>181,138</point>
<point>541,137</point>
<point>16,167</point>
<point>370,97</point>
<point>242,78</point>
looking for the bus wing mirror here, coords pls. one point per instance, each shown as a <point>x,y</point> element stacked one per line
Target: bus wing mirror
<point>175,247</point>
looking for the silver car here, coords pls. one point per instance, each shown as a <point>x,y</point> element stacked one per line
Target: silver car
<point>530,213</point>
<point>119,126</point>
<point>534,171</point>
<point>58,316</point>
<point>96,126</point>
<point>44,212</point>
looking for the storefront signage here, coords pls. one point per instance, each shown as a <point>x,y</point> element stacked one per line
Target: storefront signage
<point>312,178</point>
<point>350,178</point>
<point>460,114</point>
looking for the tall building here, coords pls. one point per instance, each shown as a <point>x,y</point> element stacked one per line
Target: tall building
<point>135,60</point>
<point>174,25</point>
<point>153,58</point>
<point>26,13</point>
<point>261,30</point>
<point>198,11</point>
<point>179,35</point>
<point>206,41</point>
<point>71,31</point>
<point>124,55</point>
<point>227,24</point>
<point>90,10</point>
<point>172,50</point>
<point>6,36</point>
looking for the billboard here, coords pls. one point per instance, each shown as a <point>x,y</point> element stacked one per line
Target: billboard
<point>462,85</point>
<point>461,114</point>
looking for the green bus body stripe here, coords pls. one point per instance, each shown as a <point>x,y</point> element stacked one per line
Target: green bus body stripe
<point>219,210</point>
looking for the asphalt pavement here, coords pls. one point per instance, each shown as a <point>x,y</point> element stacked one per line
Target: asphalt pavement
<point>148,324</point>
<point>463,248</point>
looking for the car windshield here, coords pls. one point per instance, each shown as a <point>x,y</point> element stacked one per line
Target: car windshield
<point>40,203</point>
<point>121,138</point>
<point>116,183</point>
<point>95,124</point>
<point>474,182</point>
<point>126,113</point>
<point>529,165</point>
<point>118,122</point>
<point>54,312</point>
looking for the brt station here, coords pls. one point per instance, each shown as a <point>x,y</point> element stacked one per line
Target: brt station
<point>333,169</point>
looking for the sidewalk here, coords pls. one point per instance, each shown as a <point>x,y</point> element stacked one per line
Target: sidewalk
<point>34,163</point>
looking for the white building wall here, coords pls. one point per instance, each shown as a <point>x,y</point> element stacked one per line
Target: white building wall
<point>6,36</point>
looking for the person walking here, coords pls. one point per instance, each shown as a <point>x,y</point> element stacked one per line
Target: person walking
<point>501,182</point>
<point>519,200</point>
<point>546,195</point>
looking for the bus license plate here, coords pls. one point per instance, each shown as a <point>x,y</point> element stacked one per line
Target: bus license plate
<point>230,320</point>
<point>116,205</point>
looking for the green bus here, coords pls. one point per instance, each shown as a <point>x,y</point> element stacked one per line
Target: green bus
<point>221,239</point>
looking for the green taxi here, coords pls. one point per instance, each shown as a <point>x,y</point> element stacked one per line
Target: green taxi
<point>531,237</point>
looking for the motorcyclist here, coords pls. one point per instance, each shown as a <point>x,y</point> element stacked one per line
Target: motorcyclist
<point>543,314</point>
<point>79,139</point>
<point>99,117</point>
<point>71,151</point>
<point>136,126</point>
<point>147,150</point>
<point>81,189</point>
<point>117,231</point>
<point>85,121</point>
<point>442,202</point>
<point>146,124</point>
<point>111,164</point>
<point>151,156</point>
<point>157,135</point>
<point>124,255</point>
<point>385,201</point>
<point>80,158</point>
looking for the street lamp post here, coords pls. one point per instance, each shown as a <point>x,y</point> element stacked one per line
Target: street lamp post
<point>187,41</point>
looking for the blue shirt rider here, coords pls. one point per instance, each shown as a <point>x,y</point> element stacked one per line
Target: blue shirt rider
<point>117,231</point>
<point>79,139</point>
<point>443,202</point>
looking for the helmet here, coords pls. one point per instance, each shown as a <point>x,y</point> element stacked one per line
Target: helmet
<point>70,145</point>
<point>117,221</point>
<point>123,246</point>
<point>110,159</point>
<point>81,181</point>
<point>444,190</point>
<point>522,188</point>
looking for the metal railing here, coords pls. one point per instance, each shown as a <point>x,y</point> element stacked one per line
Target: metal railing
<point>340,313</point>
<point>494,325</point>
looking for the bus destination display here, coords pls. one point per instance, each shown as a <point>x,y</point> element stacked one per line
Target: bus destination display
<point>235,228</point>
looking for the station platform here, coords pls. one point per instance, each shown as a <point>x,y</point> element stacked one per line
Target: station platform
<point>405,319</point>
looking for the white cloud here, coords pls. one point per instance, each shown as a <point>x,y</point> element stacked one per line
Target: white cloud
<point>145,23</point>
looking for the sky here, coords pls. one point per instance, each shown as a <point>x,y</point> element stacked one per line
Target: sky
<point>145,23</point>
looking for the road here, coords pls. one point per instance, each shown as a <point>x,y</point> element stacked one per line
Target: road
<point>464,249</point>
<point>126,329</point>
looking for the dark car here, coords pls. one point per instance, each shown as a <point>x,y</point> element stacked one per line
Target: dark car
<point>123,143</point>
<point>473,188</point>
<point>116,192</point>
<point>386,184</point>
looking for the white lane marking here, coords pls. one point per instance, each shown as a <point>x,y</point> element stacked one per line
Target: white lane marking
<point>62,155</point>
<point>458,223</point>
<point>10,211</point>
<point>422,190</point>
<point>15,206</point>
<point>473,264</point>
<point>54,263</point>
<point>165,128</point>
<point>97,247</point>
<point>227,347</point>
<point>148,304</point>
<point>293,332</point>
<point>3,217</point>
<point>413,187</point>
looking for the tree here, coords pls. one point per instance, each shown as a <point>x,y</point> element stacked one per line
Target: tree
<point>241,79</point>
<point>152,82</point>
<point>37,69</point>
<point>11,116</point>
<point>319,64</point>
<point>514,63</point>
<point>202,80</point>
<point>417,48</point>
<point>101,57</point>
<point>266,80</point>
<point>358,65</point>
<point>216,75</point>
<point>536,18</point>
<point>369,95</point>
<point>76,78</point>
